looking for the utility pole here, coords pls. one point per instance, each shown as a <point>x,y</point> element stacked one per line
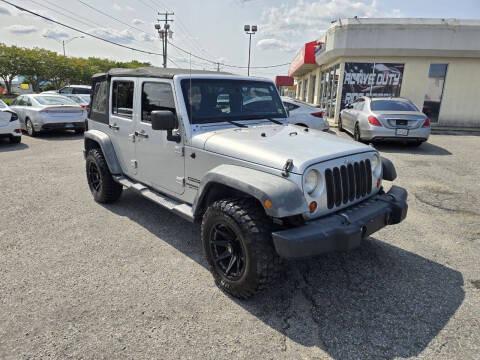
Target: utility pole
<point>64,42</point>
<point>218,67</point>
<point>165,33</point>
<point>250,30</point>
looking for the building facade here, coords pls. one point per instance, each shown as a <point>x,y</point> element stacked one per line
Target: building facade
<point>433,62</point>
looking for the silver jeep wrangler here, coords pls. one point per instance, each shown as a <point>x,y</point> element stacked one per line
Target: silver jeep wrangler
<point>217,149</point>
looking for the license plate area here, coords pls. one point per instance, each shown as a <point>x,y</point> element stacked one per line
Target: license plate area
<point>401,132</point>
<point>402,122</point>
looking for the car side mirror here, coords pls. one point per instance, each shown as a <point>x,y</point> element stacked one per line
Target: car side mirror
<point>163,120</point>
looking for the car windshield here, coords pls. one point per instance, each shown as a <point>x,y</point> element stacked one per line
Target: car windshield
<point>392,105</point>
<point>81,90</point>
<point>54,100</point>
<point>219,100</point>
<point>2,105</point>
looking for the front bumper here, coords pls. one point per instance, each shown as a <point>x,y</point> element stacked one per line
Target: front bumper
<point>345,229</point>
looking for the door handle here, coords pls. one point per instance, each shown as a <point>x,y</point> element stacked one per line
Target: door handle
<point>114,127</point>
<point>141,134</point>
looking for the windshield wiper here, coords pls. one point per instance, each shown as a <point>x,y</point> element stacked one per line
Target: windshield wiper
<point>274,121</point>
<point>236,124</point>
<point>259,117</point>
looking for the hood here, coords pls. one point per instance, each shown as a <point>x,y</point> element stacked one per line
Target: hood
<point>273,145</point>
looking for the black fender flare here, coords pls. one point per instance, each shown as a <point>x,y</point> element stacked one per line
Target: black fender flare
<point>388,170</point>
<point>287,199</point>
<point>105,144</point>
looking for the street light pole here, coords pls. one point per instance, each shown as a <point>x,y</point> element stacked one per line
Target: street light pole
<point>250,30</point>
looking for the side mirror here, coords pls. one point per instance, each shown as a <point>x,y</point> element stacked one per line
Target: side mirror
<point>163,120</point>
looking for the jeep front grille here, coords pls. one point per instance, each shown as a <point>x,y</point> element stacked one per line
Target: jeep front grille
<point>347,183</point>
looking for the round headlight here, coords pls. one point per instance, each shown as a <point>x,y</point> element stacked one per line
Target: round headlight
<point>376,165</point>
<point>311,181</point>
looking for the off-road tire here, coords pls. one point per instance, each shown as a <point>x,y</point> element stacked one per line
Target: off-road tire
<point>253,229</point>
<point>15,139</point>
<point>107,190</point>
<point>32,132</point>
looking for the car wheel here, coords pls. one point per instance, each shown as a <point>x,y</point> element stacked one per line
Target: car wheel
<point>340,125</point>
<point>100,181</point>
<point>236,237</point>
<point>356,133</point>
<point>30,129</point>
<point>15,139</point>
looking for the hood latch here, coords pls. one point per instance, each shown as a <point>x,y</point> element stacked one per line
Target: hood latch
<point>287,167</point>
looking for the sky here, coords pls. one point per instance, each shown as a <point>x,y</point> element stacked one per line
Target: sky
<point>211,29</point>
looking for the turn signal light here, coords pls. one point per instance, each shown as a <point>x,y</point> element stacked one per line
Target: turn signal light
<point>374,121</point>
<point>426,123</point>
<point>318,114</point>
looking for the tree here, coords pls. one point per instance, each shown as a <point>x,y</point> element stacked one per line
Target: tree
<point>12,64</point>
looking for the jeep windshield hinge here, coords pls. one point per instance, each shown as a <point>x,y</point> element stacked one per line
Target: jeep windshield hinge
<point>287,167</point>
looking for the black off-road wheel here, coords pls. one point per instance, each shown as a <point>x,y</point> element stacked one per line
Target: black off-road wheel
<point>236,237</point>
<point>100,181</point>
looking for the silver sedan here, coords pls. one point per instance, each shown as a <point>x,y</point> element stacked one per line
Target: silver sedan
<point>39,112</point>
<point>385,119</point>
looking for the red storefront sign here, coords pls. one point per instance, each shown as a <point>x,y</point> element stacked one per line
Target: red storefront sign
<point>304,59</point>
<point>282,80</point>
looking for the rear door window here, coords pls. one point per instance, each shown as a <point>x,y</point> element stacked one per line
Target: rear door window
<point>122,98</point>
<point>99,109</point>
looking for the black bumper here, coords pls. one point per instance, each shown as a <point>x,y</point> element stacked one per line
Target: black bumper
<point>63,126</point>
<point>345,229</point>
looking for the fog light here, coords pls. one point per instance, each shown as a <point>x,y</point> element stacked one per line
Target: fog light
<point>312,206</point>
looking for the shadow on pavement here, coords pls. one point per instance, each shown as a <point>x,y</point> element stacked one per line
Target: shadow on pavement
<point>424,149</point>
<point>378,301</point>
<point>6,146</point>
<point>59,135</point>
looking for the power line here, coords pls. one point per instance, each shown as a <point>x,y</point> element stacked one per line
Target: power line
<point>80,31</point>
<point>112,17</point>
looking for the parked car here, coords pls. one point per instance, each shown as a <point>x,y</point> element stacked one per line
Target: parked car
<point>385,119</point>
<point>42,112</point>
<point>9,124</point>
<point>303,114</point>
<point>263,189</point>
<point>76,89</point>
<point>81,99</point>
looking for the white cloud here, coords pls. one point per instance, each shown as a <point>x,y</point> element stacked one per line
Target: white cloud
<point>56,33</point>
<point>305,21</point>
<point>123,36</point>
<point>22,29</point>
<point>276,44</point>
<point>146,37</point>
<point>137,22</point>
<point>4,11</point>
<point>117,7</point>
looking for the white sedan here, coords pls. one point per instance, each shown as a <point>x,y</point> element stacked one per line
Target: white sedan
<point>304,114</point>
<point>9,124</point>
<point>43,112</point>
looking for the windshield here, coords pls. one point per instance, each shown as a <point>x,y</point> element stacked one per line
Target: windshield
<point>392,105</point>
<point>218,100</point>
<point>54,100</point>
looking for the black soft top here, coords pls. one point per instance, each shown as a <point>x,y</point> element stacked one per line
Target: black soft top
<point>154,72</point>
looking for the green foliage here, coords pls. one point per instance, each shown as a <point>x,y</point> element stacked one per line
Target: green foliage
<point>47,70</point>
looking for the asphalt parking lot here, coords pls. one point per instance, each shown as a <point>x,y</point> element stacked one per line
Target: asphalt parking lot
<point>128,280</point>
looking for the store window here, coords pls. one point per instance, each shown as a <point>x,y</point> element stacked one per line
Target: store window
<point>434,94</point>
